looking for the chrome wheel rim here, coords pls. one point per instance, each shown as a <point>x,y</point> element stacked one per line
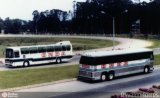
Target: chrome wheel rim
<point>146,70</point>
<point>25,64</point>
<point>110,76</point>
<point>103,77</point>
<point>58,61</point>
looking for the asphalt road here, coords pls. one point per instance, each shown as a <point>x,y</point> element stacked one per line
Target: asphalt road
<point>93,90</point>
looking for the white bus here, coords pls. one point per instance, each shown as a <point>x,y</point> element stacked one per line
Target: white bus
<point>38,54</point>
<point>105,65</point>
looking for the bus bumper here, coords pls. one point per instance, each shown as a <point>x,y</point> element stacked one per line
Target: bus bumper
<point>87,78</point>
<point>9,65</point>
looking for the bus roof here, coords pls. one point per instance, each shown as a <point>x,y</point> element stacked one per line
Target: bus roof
<point>58,43</point>
<point>116,52</point>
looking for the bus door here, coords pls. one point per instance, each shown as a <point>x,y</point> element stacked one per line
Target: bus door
<point>16,54</point>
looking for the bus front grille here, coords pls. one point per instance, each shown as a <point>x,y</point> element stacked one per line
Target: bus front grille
<point>85,73</point>
<point>7,61</point>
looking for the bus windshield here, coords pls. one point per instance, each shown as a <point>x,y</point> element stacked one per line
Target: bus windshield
<point>9,53</point>
<point>87,60</point>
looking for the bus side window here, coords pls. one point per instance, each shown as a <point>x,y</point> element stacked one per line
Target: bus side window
<point>33,50</point>
<point>64,48</point>
<point>50,49</point>
<point>57,48</point>
<point>16,54</point>
<point>24,51</point>
<point>41,49</point>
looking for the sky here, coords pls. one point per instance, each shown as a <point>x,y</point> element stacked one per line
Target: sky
<point>23,9</point>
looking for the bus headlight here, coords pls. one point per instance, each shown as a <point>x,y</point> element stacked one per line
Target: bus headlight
<point>11,62</point>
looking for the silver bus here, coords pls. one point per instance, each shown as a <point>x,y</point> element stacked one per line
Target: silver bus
<point>106,65</point>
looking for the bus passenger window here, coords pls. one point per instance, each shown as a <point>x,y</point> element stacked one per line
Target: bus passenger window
<point>50,49</point>
<point>24,51</point>
<point>16,54</point>
<point>57,48</point>
<point>33,50</point>
<point>63,48</point>
<point>41,49</point>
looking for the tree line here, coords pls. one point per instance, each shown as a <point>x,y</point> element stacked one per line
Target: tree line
<point>91,17</point>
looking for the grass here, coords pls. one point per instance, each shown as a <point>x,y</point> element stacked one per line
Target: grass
<point>78,43</point>
<point>17,78</point>
<point>157,60</point>
<point>156,43</point>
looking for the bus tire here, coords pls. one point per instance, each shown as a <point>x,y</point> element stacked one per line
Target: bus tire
<point>103,77</point>
<point>146,69</point>
<point>111,76</point>
<point>26,64</point>
<point>58,60</point>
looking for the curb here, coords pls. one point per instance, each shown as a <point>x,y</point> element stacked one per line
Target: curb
<point>37,85</point>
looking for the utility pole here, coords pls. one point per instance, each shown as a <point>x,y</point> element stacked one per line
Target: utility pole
<point>74,8</point>
<point>113,21</point>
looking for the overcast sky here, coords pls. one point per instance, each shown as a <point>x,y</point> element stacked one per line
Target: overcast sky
<point>23,8</point>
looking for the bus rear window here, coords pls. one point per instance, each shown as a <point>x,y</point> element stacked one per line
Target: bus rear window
<point>9,53</point>
<point>68,47</point>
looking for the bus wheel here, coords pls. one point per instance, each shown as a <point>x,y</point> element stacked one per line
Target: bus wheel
<point>26,63</point>
<point>103,77</point>
<point>58,60</point>
<point>146,69</point>
<point>111,76</point>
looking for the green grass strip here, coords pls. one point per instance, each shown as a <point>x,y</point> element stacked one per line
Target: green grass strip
<point>156,43</point>
<point>157,60</point>
<point>17,78</point>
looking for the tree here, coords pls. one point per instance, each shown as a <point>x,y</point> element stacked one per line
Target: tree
<point>35,20</point>
<point>1,24</point>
